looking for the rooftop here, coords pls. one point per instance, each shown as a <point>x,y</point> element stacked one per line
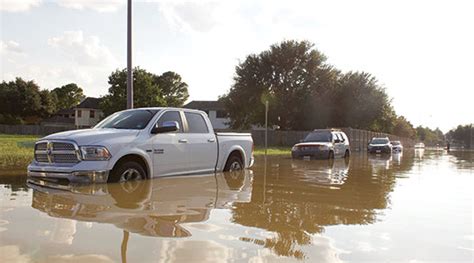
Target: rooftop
<point>205,105</point>
<point>89,103</point>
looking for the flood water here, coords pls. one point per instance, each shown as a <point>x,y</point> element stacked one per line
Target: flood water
<point>416,207</point>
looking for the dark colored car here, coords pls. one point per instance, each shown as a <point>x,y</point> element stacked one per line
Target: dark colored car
<point>379,145</point>
<point>322,144</point>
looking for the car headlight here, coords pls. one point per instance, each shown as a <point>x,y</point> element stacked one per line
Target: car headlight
<point>324,147</point>
<point>95,153</point>
<point>294,148</point>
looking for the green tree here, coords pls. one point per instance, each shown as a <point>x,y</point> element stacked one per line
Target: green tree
<point>404,128</point>
<point>68,96</point>
<point>147,90</point>
<point>20,98</point>
<point>462,133</point>
<point>49,103</point>
<point>174,90</point>
<point>428,136</point>
<point>362,103</point>
<point>290,73</point>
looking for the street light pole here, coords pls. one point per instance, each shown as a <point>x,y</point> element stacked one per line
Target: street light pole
<point>129,57</point>
<point>266,127</point>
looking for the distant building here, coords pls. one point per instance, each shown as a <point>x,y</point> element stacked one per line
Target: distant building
<point>214,109</point>
<point>84,115</point>
<point>88,113</point>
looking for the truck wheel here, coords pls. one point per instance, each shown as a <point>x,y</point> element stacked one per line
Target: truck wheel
<point>127,171</point>
<point>234,163</point>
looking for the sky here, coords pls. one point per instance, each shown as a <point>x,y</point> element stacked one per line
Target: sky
<point>422,52</point>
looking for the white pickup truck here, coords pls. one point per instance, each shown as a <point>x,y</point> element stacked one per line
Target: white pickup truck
<point>138,144</point>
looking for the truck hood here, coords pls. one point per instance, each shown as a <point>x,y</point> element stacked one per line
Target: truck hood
<point>329,144</point>
<point>92,136</point>
<point>378,145</point>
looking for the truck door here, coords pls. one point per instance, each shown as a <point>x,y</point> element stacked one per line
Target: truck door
<point>202,143</point>
<point>337,145</point>
<point>170,150</point>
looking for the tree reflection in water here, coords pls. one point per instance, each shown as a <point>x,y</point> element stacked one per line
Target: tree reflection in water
<point>296,199</point>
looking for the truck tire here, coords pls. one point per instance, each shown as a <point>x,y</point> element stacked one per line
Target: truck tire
<point>234,163</point>
<point>127,171</point>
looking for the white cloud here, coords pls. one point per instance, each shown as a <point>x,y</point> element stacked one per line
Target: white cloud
<point>18,5</point>
<point>96,5</point>
<point>10,47</point>
<point>84,50</point>
<point>188,15</point>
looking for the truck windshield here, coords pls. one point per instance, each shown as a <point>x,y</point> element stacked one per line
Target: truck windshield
<point>379,141</point>
<point>318,137</point>
<point>135,119</point>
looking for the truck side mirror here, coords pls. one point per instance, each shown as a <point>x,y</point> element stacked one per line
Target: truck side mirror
<point>167,126</point>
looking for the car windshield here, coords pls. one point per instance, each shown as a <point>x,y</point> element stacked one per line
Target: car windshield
<point>395,143</point>
<point>379,141</point>
<point>318,137</point>
<point>135,119</point>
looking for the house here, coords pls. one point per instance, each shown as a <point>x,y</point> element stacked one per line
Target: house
<point>214,109</point>
<point>88,113</point>
<point>84,115</point>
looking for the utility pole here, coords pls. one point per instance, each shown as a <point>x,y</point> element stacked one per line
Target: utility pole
<point>129,57</point>
<point>266,127</point>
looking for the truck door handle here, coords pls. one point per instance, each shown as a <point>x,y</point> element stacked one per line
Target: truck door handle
<point>211,140</point>
<point>183,141</point>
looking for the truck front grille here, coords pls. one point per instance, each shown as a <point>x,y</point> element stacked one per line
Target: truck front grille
<point>56,152</point>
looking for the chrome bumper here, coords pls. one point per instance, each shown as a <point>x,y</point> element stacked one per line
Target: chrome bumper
<point>82,177</point>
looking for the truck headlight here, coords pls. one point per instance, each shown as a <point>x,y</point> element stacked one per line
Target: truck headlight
<point>294,148</point>
<point>95,153</point>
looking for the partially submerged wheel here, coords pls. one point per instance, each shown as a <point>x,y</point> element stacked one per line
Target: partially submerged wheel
<point>234,163</point>
<point>127,171</point>
<point>131,190</point>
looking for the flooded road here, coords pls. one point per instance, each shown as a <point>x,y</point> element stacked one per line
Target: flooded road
<point>412,207</point>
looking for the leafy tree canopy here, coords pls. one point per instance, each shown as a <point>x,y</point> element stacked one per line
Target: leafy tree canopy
<point>305,92</point>
<point>68,96</point>
<point>289,73</point>
<point>24,100</point>
<point>150,90</point>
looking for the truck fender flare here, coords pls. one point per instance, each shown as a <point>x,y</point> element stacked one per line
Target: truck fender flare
<point>140,153</point>
<point>233,149</point>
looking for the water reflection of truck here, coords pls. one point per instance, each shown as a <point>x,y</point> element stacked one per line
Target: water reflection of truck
<point>380,162</point>
<point>149,207</point>
<point>331,173</point>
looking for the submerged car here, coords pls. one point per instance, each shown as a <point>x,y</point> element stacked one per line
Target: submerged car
<point>419,145</point>
<point>322,144</point>
<point>397,146</point>
<point>379,145</point>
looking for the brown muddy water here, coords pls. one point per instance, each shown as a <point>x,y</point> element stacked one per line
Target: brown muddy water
<point>417,207</point>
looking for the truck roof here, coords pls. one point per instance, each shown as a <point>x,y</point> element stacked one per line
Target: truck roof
<point>163,108</point>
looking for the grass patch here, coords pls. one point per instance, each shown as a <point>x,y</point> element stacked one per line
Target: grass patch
<point>272,151</point>
<point>16,150</point>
